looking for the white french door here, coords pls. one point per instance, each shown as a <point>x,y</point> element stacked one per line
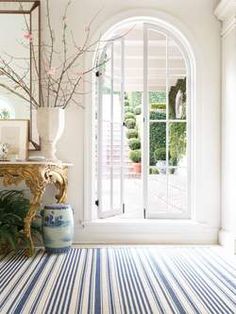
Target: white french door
<point>164,195</point>
<point>111,131</point>
<point>164,130</point>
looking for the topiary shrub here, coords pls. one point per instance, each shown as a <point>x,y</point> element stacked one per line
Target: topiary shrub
<point>136,98</point>
<point>129,115</point>
<point>135,155</point>
<point>159,106</point>
<point>137,110</point>
<point>153,170</point>
<point>132,133</point>
<point>134,143</point>
<point>129,109</point>
<point>160,153</point>
<point>130,123</point>
<point>157,135</point>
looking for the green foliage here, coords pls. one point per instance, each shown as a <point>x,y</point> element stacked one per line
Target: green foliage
<point>129,115</point>
<point>135,155</point>
<point>177,130</point>
<point>156,115</point>
<point>134,143</point>
<point>157,135</point>
<point>130,123</point>
<point>13,209</point>
<point>136,99</point>
<point>180,85</point>
<point>178,142</point>
<point>132,133</point>
<point>153,170</point>
<point>157,97</point>
<point>155,106</point>
<point>137,110</point>
<point>129,109</point>
<point>127,103</point>
<point>160,153</point>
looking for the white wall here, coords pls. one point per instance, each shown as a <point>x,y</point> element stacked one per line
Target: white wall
<point>226,12</point>
<point>196,19</point>
<point>228,133</point>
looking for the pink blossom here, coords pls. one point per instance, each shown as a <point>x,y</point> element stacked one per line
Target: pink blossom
<point>87,28</point>
<point>28,36</point>
<point>51,71</point>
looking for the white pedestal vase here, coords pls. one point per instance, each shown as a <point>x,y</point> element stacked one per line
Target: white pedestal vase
<point>50,125</point>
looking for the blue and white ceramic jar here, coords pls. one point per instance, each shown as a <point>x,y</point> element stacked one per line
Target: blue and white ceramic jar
<point>58,228</point>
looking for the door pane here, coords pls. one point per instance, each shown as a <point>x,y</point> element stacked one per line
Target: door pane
<point>105,133</point>
<point>177,191</point>
<point>157,144</point>
<point>156,78</point>
<point>177,82</point>
<point>157,191</point>
<point>177,144</point>
<point>133,47</point>
<point>166,90</point>
<point>157,177</point>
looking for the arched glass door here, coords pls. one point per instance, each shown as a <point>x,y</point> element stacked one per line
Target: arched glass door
<point>143,126</point>
<point>110,131</point>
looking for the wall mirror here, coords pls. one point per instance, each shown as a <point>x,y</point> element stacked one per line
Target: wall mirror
<point>20,63</point>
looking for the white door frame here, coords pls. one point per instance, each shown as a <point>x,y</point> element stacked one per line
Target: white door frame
<point>191,85</point>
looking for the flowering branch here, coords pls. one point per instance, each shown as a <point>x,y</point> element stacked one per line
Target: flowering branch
<point>59,85</point>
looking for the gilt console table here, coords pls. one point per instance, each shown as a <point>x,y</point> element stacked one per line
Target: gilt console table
<point>36,175</point>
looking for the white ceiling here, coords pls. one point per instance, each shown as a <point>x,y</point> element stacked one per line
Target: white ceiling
<point>157,60</point>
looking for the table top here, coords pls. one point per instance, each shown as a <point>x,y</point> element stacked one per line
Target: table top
<point>50,163</point>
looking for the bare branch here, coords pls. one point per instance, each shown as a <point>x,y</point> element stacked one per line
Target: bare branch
<point>14,92</point>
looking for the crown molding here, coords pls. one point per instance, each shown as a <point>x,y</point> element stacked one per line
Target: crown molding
<point>225,10</point>
<point>226,13</point>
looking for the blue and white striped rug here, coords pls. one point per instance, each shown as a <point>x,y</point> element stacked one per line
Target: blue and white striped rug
<point>119,280</point>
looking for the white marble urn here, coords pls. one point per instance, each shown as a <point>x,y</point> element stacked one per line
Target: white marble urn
<point>50,125</point>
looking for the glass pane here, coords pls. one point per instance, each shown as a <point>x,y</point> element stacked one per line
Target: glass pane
<point>157,144</point>
<point>106,88</point>
<point>177,190</point>
<point>106,191</point>
<point>177,144</point>
<point>106,134</point>
<point>133,46</point>
<point>117,128</point>
<point>106,168</point>
<point>176,82</point>
<point>117,64</point>
<point>157,190</point>
<point>157,71</point>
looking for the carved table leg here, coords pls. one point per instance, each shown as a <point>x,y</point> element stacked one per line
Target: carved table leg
<point>62,195</point>
<point>35,205</point>
<point>59,179</point>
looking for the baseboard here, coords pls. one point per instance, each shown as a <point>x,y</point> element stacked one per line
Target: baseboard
<point>164,232</point>
<point>228,241</point>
